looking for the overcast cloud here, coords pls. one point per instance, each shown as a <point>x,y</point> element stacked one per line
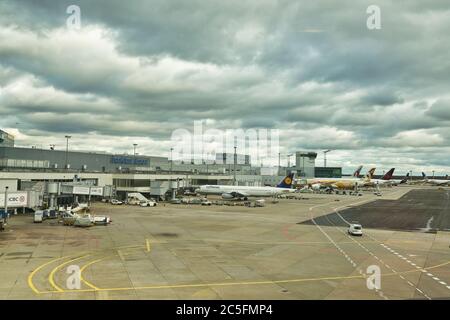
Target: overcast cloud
<point>137,70</point>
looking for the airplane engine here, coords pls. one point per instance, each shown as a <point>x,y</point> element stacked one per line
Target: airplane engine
<point>227,196</point>
<point>316,186</point>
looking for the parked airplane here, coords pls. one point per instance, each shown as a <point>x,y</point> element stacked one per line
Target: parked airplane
<point>357,172</point>
<point>435,182</point>
<point>400,181</point>
<point>339,183</point>
<point>243,192</point>
<point>385,180</point>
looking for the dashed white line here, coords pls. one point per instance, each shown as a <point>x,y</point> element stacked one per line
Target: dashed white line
<point>412,263</point>
<point>379,292</point>
<point>394,252</point>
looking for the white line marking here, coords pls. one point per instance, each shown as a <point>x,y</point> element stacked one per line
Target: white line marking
<point>380,293</point>
<point>399,255</point>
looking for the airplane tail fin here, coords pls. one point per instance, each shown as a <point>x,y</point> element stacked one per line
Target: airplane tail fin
<point>389,174</point>
<point>287,181</point>
<point>424,175</point>
<point>405,179</point>
<point>369,174</point>
<point>357,172</point>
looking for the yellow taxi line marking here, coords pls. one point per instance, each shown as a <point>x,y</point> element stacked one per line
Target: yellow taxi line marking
<point>89,284</point>
<point>52,273</point>
<point>120,255</point>
<point>194,285</point>
<point>31,275</point>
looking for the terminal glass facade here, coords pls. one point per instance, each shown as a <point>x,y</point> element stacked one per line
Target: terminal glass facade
<point>328,172</point>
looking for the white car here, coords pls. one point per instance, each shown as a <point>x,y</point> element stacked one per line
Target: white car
<point>206,202</point>
<point>116,202</point>
<point>101,220</point>
<point>355,229</point>
<point>147,203</point>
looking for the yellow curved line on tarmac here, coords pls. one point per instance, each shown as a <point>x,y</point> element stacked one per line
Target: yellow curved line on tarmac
<point>31,275</point>
<point>89,284</point>
<point>94,288</point>
<point>194,285</point>
<point>52,273</point>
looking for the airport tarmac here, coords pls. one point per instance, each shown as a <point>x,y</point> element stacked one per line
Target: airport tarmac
<point>419,210</point>
<point>295,249</point>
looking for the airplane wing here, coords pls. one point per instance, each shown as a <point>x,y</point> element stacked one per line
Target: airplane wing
<point>239,194</point>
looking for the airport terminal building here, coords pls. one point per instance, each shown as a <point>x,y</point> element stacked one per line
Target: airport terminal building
<point>6,139</point>
<point>150,175</point>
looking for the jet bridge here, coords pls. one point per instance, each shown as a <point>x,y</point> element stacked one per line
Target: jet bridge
<point>58,189</point>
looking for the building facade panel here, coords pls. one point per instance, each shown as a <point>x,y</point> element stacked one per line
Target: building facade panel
<point>6,139</point>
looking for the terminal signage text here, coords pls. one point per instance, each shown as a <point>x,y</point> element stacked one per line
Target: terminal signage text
<point>129,161</point>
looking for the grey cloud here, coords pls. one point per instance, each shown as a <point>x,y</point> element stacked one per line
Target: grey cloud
<point>440,110</point>
<point>247,64</point>
<point>382,98</point>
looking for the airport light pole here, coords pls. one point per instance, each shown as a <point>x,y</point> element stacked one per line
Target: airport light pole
<point>289,159</point>
<point>171,161</point>
<point>170,178</point>
<point>134,155</point>
<point>433,174</point>
<point>325,158</point>
<point>67,151</point>
<point>279,163</point>
<point>6,204</point>
<point>234,166</point>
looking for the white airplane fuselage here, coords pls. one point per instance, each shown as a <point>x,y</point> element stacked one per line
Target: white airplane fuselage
<point>381,182</point>
<point>437,182</point>
<point>244,190</point>
<point>340,183</point>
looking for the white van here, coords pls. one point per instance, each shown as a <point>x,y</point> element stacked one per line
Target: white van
<point>38,216</point>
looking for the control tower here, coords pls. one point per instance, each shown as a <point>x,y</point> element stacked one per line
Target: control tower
<point>305,162</point>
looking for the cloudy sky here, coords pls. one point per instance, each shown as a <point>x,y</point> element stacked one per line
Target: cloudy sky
<point>138,70</point>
